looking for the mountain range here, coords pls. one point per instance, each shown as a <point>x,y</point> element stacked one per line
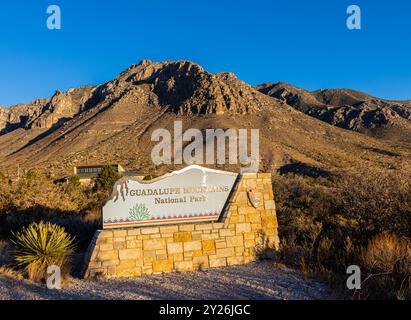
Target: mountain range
<point>315,133</point>
<point>345,108</point>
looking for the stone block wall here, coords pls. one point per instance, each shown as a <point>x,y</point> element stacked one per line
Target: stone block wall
<point>242,233</point>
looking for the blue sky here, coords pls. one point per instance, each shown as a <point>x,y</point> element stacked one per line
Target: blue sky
<point>302,42</point>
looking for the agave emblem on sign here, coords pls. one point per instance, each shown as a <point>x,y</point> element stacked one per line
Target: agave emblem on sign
<point>139,212</point>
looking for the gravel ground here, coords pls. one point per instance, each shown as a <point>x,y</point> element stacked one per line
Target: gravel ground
<point>262,280</point>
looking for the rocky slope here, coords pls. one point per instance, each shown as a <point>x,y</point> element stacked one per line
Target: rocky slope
<point>46,113</point>
<point>182,87</point>
<point>344,108</point>
<point>113,122</point>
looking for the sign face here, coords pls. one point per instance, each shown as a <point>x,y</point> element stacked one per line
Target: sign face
<point>189,195</point>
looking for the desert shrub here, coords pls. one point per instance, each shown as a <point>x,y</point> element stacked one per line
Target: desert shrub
<point>32,200</point>
<point>82,226</point>
<point>74,180</point>
<point>41,245</point>
<point>4,253</point>
<point>6,260</point>
<point>30,177</point>
<point>385,251</point>
<point>379,201</point>
<point>93,214</point>
<point>325,226</point>
<point>387,259</point>
<point>106,178</point>
<point>40,191</point>
<point>35,198</point>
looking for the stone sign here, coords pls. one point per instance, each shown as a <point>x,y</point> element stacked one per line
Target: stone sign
<point>246,231</point>
<point>192,194</point>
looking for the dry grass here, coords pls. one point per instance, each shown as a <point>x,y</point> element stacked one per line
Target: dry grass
<point>5,262</point>
<point>385,252</point>
<point>5,257</point>
<point>35,198</point>
<point>38,190</point>
<point>11,273</point>
<point>387,259</point>
<point>362,219</point>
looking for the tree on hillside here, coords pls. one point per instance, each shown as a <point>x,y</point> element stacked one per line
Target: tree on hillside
<point>74,181</point>
<point>106,178</point>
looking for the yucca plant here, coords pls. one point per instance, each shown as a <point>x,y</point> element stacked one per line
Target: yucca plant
<point>41,245</point>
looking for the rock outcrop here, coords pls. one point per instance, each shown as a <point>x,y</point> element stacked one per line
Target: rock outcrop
<point>344,108</point>
<point>45,113</point>
<point>182,87</point>
<point>186,88</point>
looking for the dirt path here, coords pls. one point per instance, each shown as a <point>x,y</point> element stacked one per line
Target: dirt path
<point>261,280</point>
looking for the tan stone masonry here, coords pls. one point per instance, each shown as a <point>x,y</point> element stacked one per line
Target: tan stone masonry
<point>242,233</point>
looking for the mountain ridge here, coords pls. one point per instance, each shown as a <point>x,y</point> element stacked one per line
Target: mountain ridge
<point>345,108</point>
<point>113,123</point>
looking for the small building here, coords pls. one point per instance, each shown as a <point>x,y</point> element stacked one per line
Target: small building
<point>88,173</point>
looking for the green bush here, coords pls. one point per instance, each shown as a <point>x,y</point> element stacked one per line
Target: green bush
<point>74,180</point>
<point>41,245</point>
<point>106,178</point>
<point>30,178</point>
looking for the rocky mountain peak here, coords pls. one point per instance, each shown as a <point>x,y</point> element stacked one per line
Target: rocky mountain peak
<point>182,87</point>
<point>185,87</point>
<point>344,108</point>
